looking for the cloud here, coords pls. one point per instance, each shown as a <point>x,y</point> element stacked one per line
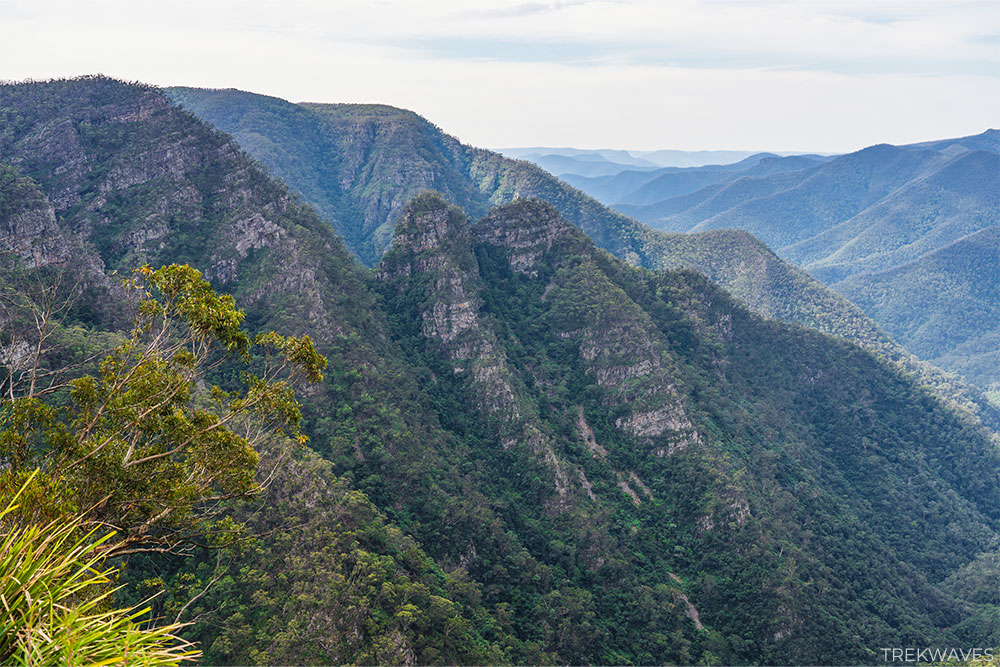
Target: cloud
<point>819,74</point>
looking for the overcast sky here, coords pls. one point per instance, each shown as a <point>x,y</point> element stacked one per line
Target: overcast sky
<point>819,75</point>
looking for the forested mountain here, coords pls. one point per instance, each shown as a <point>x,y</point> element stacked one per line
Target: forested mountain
<point>524,450</point>
<point>824,191</point>
<point>945,306</point>
<point>638,370</point>
<point>583,163</point>
<point>857,219</point>
<point>873,209</point>
<point>957,198</point>
<point>987,141</point>
<point>371,159</point>
<point>643,188</point>
<point>127,178</point>
<point>658,202</point>
<point>855,214</point>
<point>359,164</point>
<point>576,160</point>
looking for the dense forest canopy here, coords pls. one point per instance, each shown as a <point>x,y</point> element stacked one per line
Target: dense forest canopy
<point>523,449</point>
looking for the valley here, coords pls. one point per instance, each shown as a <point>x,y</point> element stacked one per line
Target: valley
<point>547,433</point>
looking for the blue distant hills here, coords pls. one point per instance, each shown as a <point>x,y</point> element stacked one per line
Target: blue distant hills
<point>906,232</point>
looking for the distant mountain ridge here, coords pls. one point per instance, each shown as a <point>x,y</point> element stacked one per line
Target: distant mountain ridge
<point>845,219</point>
<point>524,450</point>
<point>577,166</point>
<point>358,165</point>
<point>639,158</point>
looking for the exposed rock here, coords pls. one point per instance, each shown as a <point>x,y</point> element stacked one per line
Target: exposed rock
<point>254,232</point>
<point>34,236</point>
<point>586,484</point>
<point>648,424</point>
<point>588,436</point>
<point>638,482</point>
<point>28,225</point>
<point>623,485</point>
<point>434,240</point>
<point>526,228</point>
<point>691,612</point>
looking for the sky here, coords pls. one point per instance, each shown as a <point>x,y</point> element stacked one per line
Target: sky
<point>780,75</point>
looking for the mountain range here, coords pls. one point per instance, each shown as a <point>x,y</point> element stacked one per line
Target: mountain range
<point>852,221</point>
<point>542,437</point>
<point>581,162</point>
<point>357,165</point>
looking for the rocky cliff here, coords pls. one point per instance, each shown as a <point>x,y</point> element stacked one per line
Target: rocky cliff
<point>534,452</point>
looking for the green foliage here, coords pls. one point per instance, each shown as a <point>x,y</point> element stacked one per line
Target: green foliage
<point>132,445</point>
<point>317,149</point>
<point>817,513</point>
<point>943,306</point>
<point>327,580</point>
<point>851,475</point>
<point>16,192</point>
<point>56,601</point>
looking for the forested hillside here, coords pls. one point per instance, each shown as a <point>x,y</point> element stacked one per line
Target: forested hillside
<point>855,222</point>
<point>642,189</point>
<point>359,164</point>
<point>568,338</point>
<point>524,450</point>
<point>945,306</point>
<point>131,179</point>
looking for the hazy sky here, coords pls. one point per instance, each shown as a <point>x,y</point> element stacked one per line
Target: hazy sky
<point>823,75</point>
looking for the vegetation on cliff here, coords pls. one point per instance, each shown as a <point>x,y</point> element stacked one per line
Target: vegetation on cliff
<point>523,449</point>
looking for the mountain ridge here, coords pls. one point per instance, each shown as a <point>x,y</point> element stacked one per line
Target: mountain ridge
<point>534,452</point>
<point>856,215</point>
<point>476,180</point>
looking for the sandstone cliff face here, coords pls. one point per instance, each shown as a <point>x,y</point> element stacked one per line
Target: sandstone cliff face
<point>144,182</point>
<point>619,345</point>
<point>434,242</point>
<point>527,229</point>
<point>28,226</point>
<point>621,349</point>
<point>34,238</point>
<point>618,342</point>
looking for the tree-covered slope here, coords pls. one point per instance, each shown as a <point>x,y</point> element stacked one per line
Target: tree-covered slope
<point>861,216</point>
<point>136,180</point>
<point>987,141</point>
<point>825,195</point>
<point>635,187</point>
<point>524,450</point>
<point>375,158</point>
<point>357,164</point>
<point>945,306</point>
<point>655,401</point>
<point>363,138</point>
<point>685,181</point>
<point>324,578</point>
<point>858,213</point>
<point>818,214</point>
<point>681,214</point>
<point>588,165</point>
<point>151,183</point>
<point>926,214</point>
